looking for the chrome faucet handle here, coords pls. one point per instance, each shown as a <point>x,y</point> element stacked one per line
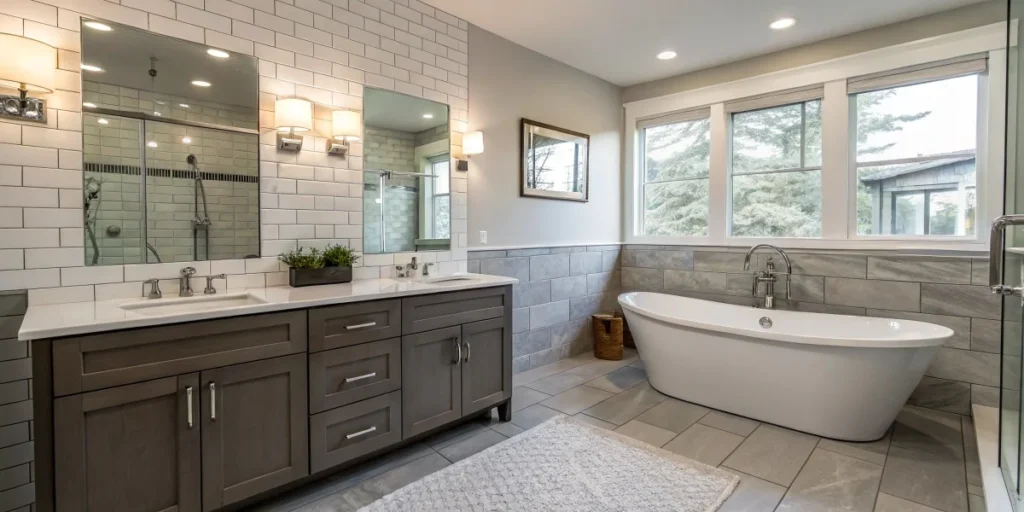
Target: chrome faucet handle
<point>400,270</point>
<point>413,265</point>
<point>154,289</point>
<point>185,283</point>
<point>210,290</point>
<point>426,269</point>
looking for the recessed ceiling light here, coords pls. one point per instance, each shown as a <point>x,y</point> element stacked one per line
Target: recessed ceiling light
<point>187,140</point>
<point>102,121</point>
<point>183,105</point>
<point>89,105</point>
<point>151,144</point>
<point>158,102</point>
<point>428,116</point>
<point>667,55</point>
<point>95,25</point>
<point>200,83</point>
<point>90,67</point>
<point>782,23</point>
<point>220,54</point>
<point>157,113</point>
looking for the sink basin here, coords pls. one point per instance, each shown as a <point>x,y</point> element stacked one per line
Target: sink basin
<point>458,276</point>
<point>163,307</point>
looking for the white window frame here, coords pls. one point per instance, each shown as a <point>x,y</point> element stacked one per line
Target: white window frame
<point>838,175</point>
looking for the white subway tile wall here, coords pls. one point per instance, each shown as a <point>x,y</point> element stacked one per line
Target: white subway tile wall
<point>311,49</point>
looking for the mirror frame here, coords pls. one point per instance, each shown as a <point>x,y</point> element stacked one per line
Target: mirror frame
<point>524,191</point>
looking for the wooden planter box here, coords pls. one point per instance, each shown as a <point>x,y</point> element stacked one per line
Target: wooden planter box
<point>298,277</point>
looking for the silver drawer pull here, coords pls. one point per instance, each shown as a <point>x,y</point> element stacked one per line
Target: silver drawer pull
<point>367,325</point>
<point>188,397</point>
<point>213,401</point>
<point>361,377</point>
<point>361,433</point>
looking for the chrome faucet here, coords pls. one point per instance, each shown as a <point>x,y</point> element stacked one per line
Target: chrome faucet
<point>768,277</point>
<point>185,282</point>
<point>411,266</point>
<point>154,289</point>
<point>426,269</point>
<point>210,290</point>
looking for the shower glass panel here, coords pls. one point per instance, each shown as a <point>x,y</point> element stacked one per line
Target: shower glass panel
<point>112,192</point>
<point>1010,431</point>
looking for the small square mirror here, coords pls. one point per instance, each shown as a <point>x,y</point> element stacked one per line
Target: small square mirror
<point>555,162</point>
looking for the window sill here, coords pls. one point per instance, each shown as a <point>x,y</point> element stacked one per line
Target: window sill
<point>961,246</point>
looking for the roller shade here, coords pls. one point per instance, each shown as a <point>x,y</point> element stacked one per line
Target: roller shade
<point>951,68</point>
<point>776,99</point>
<point>677,117</point>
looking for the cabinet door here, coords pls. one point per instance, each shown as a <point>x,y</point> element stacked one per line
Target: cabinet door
<point>254,428</point>
<point>129,449</point>
<point>431,380</point>
<point>486,364</point>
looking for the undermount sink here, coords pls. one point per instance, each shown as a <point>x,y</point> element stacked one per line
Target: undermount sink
<point>163,307</point>
<point>458,276</point>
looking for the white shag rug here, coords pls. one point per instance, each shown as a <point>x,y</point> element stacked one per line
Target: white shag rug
<point>565,465</point>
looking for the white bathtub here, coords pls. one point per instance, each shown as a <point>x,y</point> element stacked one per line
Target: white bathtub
<point>843,377</point>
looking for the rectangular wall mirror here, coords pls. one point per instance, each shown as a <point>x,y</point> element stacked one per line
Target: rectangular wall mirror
<point>171,148</point>
<point>554,162</point>
<point>406,173</point>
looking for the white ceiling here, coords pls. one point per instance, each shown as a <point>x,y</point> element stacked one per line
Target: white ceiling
<point>617,39</point>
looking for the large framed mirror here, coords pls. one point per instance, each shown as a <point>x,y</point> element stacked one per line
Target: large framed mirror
<point>406,173</point>
<point>554,162</point>
<point>171,148</point>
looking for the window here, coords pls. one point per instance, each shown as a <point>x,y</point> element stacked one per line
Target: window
<point>776,171</point>
<point>916,144</point>
<point>676,164</point>
<point>441,197</point>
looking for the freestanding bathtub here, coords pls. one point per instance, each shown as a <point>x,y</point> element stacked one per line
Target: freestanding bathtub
<point>842,377</point>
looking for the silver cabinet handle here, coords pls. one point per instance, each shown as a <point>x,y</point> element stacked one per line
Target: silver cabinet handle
<point>361,377</point>
<point>468,352</point>
<point>367,325</point>
<point>213,401</point>
<point>188,398</point>
<point>361,433</point>
<point>458,345</point>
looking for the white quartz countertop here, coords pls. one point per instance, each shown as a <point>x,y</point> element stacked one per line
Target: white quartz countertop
<point>57,320</point>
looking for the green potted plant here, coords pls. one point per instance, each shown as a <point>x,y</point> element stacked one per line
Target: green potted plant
<point>331,266</point>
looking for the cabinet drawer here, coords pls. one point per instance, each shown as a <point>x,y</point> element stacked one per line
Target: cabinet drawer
<point>428,312</point>
<point>352,324</point>
<point>343,434</point>
<point>97,361</point>
<point>342,376</point>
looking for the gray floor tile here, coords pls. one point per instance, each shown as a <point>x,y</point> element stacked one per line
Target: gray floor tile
<point>921,429</point>
<point>440,440</point>
<point>576,399</point>
<point>619,380</point>
<point>627,405</point>
<point>647,433</point>
<point>508,429</point>
<point>975,503</point>
<point>753,495</point>
<point>590,420</point>
<point>538,373</point>
<point>639,364</point>
<point>674,415</point>
<point>976,490</point>
<point>889,503</point>
<point>355,497</point>
<point>773,453</point>
<point>476,443</point>
<point>708,445</point>
<point>534,415</point>
<point>730,423</point>
<point>579,375</point>
<point>873,452</point>
<point>936,480</point>
<point>523,397</point>
<point>831,481</point>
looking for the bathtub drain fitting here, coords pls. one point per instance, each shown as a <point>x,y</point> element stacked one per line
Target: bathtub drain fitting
<point>765,322</point>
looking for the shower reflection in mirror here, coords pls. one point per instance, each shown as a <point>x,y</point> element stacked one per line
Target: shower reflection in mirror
<point>407,173</point>
<point>171,150</point>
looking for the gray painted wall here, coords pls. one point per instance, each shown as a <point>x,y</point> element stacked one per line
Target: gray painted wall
<point>507,83</point>
<point>985,13</point>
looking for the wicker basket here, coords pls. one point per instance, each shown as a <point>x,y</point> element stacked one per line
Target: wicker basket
<point>607,337</point>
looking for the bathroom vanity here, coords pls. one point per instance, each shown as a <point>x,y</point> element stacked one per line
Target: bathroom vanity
<point>146,412</point>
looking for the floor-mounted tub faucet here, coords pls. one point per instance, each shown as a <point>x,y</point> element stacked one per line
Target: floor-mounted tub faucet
<point>768,277</point>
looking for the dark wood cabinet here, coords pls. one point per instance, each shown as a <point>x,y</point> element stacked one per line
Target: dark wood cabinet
<point>486,368</point>
<point>431,380</point>
<point>254,428</point>
<point>132,448</point>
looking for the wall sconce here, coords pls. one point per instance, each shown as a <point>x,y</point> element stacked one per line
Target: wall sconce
<point>472,144</point>
<point>28,66</point>
<point>346,126</point>
<point>292,117</point>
